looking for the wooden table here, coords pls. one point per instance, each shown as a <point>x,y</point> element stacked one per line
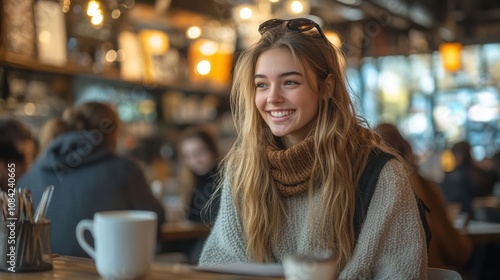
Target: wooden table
<point>486,202</point>
<point>184,231</point>
<point>482,232</point>
<point>72,268</point>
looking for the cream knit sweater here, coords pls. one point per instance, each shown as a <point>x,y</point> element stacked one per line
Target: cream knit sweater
<point>391,244</point>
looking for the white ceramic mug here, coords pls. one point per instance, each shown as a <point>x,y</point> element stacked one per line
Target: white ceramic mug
<point>124,242</point>
<point>310,267</point>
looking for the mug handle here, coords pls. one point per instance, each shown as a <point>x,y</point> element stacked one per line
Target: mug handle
<point>80,229</point>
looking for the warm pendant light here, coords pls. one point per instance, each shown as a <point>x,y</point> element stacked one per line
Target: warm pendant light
<point>451,55</point>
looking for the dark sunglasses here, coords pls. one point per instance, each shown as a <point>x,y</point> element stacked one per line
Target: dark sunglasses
<point>296,25</point>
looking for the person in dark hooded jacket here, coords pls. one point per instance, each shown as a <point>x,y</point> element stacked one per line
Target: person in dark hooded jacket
<point>88,175</point>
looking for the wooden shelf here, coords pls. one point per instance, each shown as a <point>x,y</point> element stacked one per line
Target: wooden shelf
<point>110,76</point>
<point>30,64</point>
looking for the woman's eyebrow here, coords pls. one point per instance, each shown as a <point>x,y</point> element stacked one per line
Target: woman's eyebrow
<point>282,75</point>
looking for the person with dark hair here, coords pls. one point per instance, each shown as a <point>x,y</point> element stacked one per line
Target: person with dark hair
<point>448,248</point>
<point>17,147</point>
<point>289,182</point>
<point>50,130</point>
<point>467,180</point>
<point>199,157</point>
<point>494,172</point>
<point>87,174</point>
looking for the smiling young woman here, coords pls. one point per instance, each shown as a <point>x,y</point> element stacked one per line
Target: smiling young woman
<point>284,97</point>
<point>289,181</point>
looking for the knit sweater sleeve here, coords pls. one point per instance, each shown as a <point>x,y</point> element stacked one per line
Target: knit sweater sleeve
<point>226,242</point>
<point>391,244</point>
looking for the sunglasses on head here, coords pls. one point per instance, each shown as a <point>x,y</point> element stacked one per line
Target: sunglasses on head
<point>296,25</point>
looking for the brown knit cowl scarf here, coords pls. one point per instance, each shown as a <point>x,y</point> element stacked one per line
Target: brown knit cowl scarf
<point>291,168</point>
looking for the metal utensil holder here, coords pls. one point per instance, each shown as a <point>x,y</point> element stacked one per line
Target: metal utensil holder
<point>25,246</point>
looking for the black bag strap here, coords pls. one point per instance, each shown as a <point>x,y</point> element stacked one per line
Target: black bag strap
<point>366,187</point>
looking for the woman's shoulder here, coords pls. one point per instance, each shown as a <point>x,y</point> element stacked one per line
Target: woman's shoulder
<point>394,178</point>
<point>393,168</point>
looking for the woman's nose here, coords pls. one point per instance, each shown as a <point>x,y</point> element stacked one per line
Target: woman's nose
<point>275,94</point>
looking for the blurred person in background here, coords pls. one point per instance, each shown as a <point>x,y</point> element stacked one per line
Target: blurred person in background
<point>448,248</point>
<point>87,174</point>
<point>467,180</point>
<point>17,147</point>
<point>50,130</point>
<point>495,173</point>
<point>199,157</point>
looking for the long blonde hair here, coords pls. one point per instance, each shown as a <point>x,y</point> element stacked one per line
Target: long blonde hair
<point>342,145</point>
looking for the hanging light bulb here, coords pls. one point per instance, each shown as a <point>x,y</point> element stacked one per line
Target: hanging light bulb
<point>244,13</point>
<point>95,13</point>
<point>93,8</point>
<point>451,55</point>
<point>193,32</point>
<point>298,7</point>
